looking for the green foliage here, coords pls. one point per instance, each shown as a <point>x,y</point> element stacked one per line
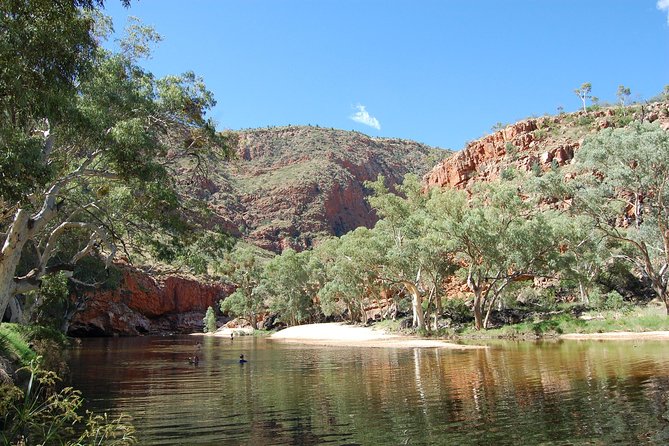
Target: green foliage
<point>623,94</point>
<point>92,138</point>
<point>244,268</point>
<point>14,343</point>
<point>44,46</point>
<point>497,126</point>
<point>540,134</point>
<point>45,414</point>
<point>662,96</point>
<point>583,92</point>
<point>349,264</point>
<point>609,301</point>
<point>209,321</point>
<point>290,283</point>
<point>536,169</point>
<point>628,200</point>
<point>509,174</point>
<point>621,117</point>
<point>585,120</point>
<point>203,251</point>
<point>511,150</point>
<point>457,310</point>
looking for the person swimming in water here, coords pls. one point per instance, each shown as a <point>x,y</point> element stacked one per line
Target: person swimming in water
<point>195,359</point>
<point>242,360</point>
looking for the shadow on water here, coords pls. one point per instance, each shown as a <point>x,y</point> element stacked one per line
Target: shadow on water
<point>511,393</point>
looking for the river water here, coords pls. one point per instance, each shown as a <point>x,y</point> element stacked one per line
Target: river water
<point>515,393</point>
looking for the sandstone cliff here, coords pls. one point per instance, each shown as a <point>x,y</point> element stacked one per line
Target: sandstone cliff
<point>144,304</point>
<point>536,143</point>
<point>292,185</point>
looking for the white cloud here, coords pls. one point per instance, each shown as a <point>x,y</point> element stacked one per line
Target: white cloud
<point>663,5</point>
<point>363,117</point>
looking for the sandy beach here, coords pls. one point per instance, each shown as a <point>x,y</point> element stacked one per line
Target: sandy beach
<point>620,336</point>
<point>338,334</point>
<point>225,332</point>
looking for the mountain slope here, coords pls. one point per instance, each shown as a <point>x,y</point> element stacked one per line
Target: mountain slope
<point>292,185</point>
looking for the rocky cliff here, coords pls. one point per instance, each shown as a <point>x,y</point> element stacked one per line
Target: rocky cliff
<point>536,143</point>
<point>144,304</point>
<point>291,185</point>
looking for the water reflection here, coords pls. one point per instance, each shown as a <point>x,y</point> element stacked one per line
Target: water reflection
<point>512,393</point>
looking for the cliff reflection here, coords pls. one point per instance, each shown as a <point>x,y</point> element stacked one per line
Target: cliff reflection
<point>509,393</point>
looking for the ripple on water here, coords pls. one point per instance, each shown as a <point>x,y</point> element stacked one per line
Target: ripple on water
<point>512,393</point>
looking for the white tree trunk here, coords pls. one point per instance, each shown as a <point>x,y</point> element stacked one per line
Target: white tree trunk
<point>416,305</point>
<point>16,238</point>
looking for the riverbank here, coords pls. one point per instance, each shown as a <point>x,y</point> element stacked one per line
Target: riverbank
<point>339,334</point>
<point>225,332</point>
<point>619,335</point>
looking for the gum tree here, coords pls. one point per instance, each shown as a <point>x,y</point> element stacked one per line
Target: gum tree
<point>244,269</point>
<point>498,238</point>
<point>627,197</point>
<point>414,258</point>
<point>87,140</point>
<point>583,93</point>
<point>623,94</point>
<point>291,283</point>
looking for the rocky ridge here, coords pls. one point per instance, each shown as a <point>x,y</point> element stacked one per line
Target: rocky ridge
<point>291,185</point>
<point>536,143</point>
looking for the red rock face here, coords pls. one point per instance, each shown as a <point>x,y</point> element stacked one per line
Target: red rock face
<point>293,185</point>
<point>541,142</point>
<point>143,304</point>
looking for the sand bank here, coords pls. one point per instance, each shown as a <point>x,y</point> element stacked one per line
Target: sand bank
<point>225,332</point>
<point>338,334</point>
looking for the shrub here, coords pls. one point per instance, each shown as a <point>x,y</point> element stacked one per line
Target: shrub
<point>508,174</point>
<point>209,321</point>
<point>609,301</point>
<point>457,310</point>
<point>42,414</point>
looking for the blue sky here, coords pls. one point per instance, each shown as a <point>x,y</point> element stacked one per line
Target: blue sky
<point>442,72</point>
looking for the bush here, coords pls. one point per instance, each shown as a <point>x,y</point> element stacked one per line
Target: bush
<point>42,414</point>
<point>457,310</point>
<point>508,174</point>
<point>609,301</point>
<point>209,321</point>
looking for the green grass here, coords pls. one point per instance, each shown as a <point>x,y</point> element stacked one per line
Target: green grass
<point>637,319</point>
<point>15,343</point>
<point>389,325</point>
<point>16,340</point>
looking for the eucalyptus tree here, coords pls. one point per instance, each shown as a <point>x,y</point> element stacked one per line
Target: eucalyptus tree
<point>583,93</point>
<point>623,94</point>
<point>290,283</point>
<point>87,140</point>
<point>623,189</point>
<point>244,268</point>
<point>497,237</point>
<point>350,279</point>
<point>414,258</point>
